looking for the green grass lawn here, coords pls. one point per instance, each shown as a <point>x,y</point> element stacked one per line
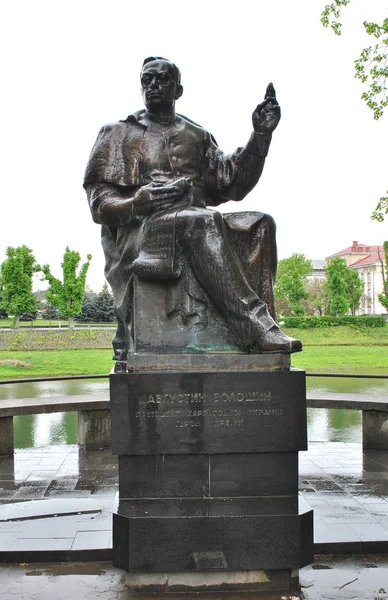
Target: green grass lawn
<point>342,359</point>
<point>329,350</point>
<point>50,363</point>
<point>342,349</point>
<point>341,336</point>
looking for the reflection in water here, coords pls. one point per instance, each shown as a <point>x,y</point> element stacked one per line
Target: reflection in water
<point>51,389</point>
<point>33,431</point>
<point>62,428</point>
<point>376,387</point>
<point>324,425</point>
<point>54,428</point>
<point>335,425</point>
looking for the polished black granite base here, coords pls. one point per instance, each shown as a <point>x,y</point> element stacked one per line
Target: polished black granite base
<point>211,535</point>
<point>216,475</point>
<point>208,471</point>
<point>219,412</point>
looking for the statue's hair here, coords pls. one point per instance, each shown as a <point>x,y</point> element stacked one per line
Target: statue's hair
<point>175,68</point>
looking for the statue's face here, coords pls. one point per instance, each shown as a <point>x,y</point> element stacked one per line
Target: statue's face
<point>158,86</point>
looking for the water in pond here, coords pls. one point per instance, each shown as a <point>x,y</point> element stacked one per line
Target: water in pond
<point>336,425</point>
<point>54,428</point>
<point>61,428</point>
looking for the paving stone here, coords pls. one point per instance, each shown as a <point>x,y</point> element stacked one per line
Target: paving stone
<point>30,492</point>
<point>42,544</point>
<point>370,532</point>
<point>89,540</point>
<point>349,499</point>
<point>70,494</point>
<point>7,541</point>
<point>25,510</point>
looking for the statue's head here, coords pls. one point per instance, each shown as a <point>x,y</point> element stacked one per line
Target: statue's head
<point>160,83</point>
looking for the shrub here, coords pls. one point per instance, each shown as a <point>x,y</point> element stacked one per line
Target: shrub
<point>326,321</point>
<point>51,313</point>
<point>29,316</point>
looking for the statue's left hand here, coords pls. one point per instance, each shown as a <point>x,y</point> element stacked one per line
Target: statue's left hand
<point>266,116</point>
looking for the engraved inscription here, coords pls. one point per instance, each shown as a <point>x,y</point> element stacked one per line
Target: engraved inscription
<point>221,397</point>
<point>217,409</point>
<point>193,412</point>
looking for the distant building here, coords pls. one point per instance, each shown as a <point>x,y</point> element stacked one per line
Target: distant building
<point>367,261</point>
<point>318,269</point>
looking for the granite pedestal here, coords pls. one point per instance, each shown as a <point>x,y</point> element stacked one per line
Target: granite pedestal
<point>208,478</point>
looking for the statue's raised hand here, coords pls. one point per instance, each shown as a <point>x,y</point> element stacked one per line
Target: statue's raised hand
<point>266,116</point>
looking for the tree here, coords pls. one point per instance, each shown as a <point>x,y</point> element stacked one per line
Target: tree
<point>16,281</point>
<point>371,68</point>
<point>291,281</point>
<point>97,308</point>
<point>3,313</point>
<point>317,296</point>
<point>88,311</point>
<point>336,286</point>
<point>104,305</point>
<point>68,294</point>
<point>30,316</point>
<point>383,297</point>
<point>354,290</point>
<point>51,313</point>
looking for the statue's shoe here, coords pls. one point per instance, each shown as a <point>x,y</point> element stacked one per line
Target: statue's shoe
<point>275,340</point>
<point>119,354</point>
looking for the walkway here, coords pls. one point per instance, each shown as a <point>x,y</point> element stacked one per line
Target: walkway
<point>346,487</point>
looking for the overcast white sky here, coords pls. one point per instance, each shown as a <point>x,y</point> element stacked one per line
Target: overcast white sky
<point>70,67</point>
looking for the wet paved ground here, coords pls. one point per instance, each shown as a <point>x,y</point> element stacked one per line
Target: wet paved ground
<point>363,578</point>
<point>346,487</point>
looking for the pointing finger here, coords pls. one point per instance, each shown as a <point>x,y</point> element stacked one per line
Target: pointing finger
<point>270,91</point>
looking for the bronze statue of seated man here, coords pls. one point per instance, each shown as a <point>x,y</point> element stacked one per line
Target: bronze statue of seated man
<point>150,181</point>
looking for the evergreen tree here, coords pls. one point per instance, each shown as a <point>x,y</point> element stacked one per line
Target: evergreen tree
<point>51,313</point>
<point>68,294</point>
<point>104,306</point>
<point>97,308</point>
<point>88,311</point>
<point>30,316</point>
<point>16,281</point>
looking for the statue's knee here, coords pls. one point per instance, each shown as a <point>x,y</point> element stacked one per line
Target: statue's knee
<point>199,220</point>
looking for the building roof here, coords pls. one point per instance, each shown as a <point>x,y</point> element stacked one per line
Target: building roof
<point>357,248</point>
<point>372,258</point>
<point>368,254</point>
<point>318,264</point>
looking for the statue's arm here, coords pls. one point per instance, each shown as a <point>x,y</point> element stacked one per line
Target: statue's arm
<point>117,206</point>
<point>232,177</point>
<point>110,204</point>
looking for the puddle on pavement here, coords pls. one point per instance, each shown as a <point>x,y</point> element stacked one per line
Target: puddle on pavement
<point>329,578</point>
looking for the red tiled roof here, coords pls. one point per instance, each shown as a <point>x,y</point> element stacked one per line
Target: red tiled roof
<point>368,260</point>
<point>359,249</point>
